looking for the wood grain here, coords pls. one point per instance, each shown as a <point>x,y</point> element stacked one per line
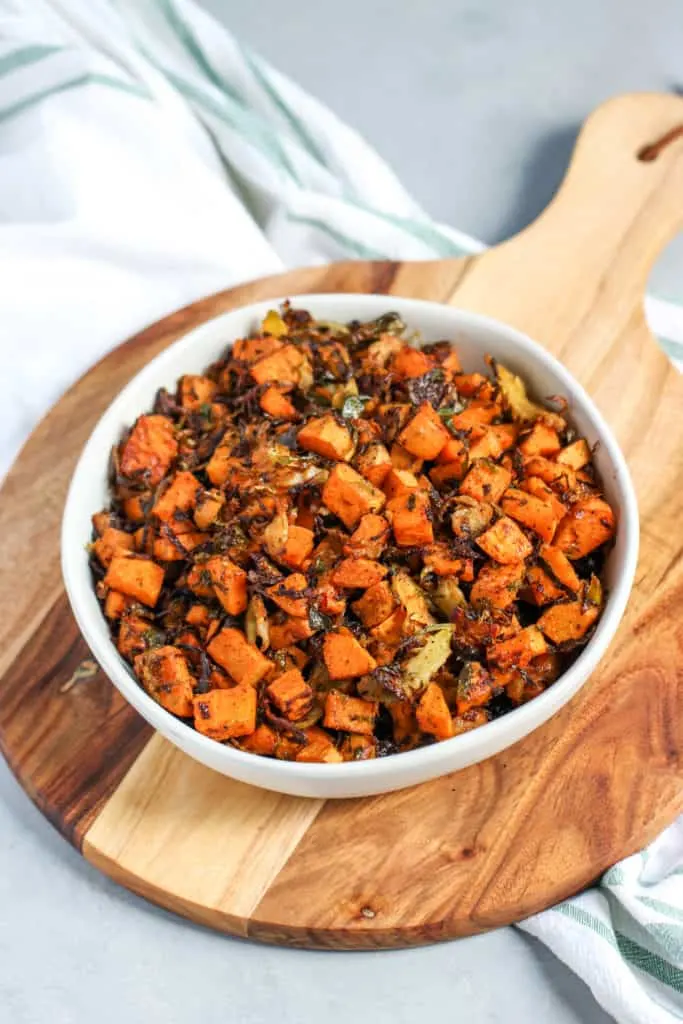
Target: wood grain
<point>474,850</point>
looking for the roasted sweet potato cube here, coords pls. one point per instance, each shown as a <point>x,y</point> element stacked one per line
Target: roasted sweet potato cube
<point>577,455</point>
<point>199,580</point>
<point>432,714</point>
<point>222,466</point>
<point>263,740</point>
<point>111,543</point>
<point>534,485</point>
<point>344,657</point>
<point>352,573</point>
<point>196,391</point>
<point>115,604</point>
<point>326,436</point>
<point>275,403</point>
<point>241,660</point>
<point>297,550</point>
<point>485,443</point>
<point>471,385</point>
<point>282,366</point>
<point>349,496</point>
<point>224,714</point>
<point>486,481</point>
<point>478,413</point>
<point>208,508</point>
<point>376,604</point>
<point>519,649</point>
<point>140,578</point>
<point>100,522</point>
<point>373,463</point>
<point>589,523</point>
<point>504,542</point>
<point>496,586</point>
<point>249,350</point>
<point>561,478</point>
<point>440,559</point>
<point>356,747</point>
<point>318,747</point>
<point>536,513</point>
<point>401,458</point>
<point>410,519</point>
<point>178,498</point>
<point>350,714</point>
<point>291,695</point>
<point>506,433</point>
<point>369,538</point>
<point>446,476</point>
<point>425,434</point>
<point>198,615</point>
<point>399,482</point>
<point>149,450</point>
<point>474,687</point>
<point>135,508</point>
<point>330,600</point>
<point>290,594</point>
<point>568,621</point>
<point>410,362</point>
<point>390,631</point>
<point>229,583</point>
<point>133,634</point>
<point>541,588</point>
<point>541,440</point>
<point>165,675</point>
<point>472,719</point>
<point>560,567</point>
<point>405,723</point>
<point>284,634</point>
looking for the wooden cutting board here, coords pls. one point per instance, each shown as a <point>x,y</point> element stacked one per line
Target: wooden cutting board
<point>488,845</point>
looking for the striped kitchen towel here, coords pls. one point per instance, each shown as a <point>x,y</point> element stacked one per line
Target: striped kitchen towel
<point>146,159</point>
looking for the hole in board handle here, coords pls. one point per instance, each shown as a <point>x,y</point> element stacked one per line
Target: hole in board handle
<point>650,152</point>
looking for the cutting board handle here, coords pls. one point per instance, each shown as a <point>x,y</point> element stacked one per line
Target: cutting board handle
<point>594,246</point>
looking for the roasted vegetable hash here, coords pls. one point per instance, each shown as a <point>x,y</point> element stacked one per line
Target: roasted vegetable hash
<point>335,546</point>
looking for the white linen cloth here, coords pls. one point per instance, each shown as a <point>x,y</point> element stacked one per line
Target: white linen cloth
<point>147,159</point>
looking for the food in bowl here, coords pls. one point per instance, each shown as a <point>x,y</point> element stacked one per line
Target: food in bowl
<point>333,546</point>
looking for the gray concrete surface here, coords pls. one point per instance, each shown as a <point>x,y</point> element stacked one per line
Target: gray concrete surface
<point>476,105</point>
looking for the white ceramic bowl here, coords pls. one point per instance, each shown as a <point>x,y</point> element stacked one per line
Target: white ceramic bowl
<point>474,336</point>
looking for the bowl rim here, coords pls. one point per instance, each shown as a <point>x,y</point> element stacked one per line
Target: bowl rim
<point>426,757</point>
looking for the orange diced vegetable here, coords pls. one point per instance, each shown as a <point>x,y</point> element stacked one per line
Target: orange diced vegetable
<point>274,401</point>
<point>398,482</point>
<point>439,558</point>
<point>376,604</point>
<point>349,496</point>
<point>536,513</point>
<point>570,621</point>
<point>486,481</point>
<point>541,440</point>
<point>405,723</point>
<point>474,415</point>
<point>281,366</point>
<point>293,629</point>
<point>196,391</point>
<point>241,660</point>
<point>344,657</point>
<point>541,587</point>
<point>497,585</point>
<point>560,567</point>
<point>410,519</point>
<point>140,578</point>
<point>290,595</point>
<point>115,604</point>
<point>198,615</point>
<point>229,583</point>
<point>518,649</point>
<point>249,350</point>
<point>327,437</point>
<point>223,714</point>
<point>410,362</point>
<point>179,497</point>
<point>165,674</point>
<point>356,747</point>
<point>133,634</point>
<point>588,524</point>
<point>534,485</point>
<point>432,714</point>
<point>576,455</point>
<point>504,542</point>
<point>401,458</point>
<point>150,449</point>
<point>474,687</point>
<point>318,748</point>
<point>111,543</point>
<point>358,572</point>
<point>425,435</point>
<point>374,463</point>
<point>291,695</point>
<point>350,714</point>
<point>560,478</point>
<point>369,538</point>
